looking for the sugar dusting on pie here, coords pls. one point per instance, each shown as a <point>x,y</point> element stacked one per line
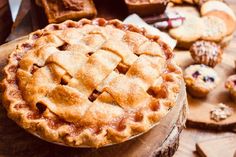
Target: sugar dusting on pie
<point>90,83</point>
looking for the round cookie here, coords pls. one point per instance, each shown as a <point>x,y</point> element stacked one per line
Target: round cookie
<point>189,32</point>
<point>229,21</point>
<point>230,84</point>
<point>214,28</point>
<point>216,5</point>
<point>200,80</point>
<point>206,52</point>
<point>184,10</point>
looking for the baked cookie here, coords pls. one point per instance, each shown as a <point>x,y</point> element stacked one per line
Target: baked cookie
<point>189,32</point>
<point>230,85</point>
<point>214,28</point>
<point>184,10</point>
<point>206,52</point>
<point>216,5</point>
<point>200,80</point>
<point>229,21</point>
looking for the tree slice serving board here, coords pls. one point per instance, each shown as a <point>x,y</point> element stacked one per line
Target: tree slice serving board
<point>162,140</point>
<point>199,109</point>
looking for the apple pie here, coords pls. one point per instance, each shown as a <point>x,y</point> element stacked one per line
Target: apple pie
<point>90,83</point>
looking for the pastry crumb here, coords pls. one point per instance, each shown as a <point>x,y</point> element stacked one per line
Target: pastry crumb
<point>220,112</point>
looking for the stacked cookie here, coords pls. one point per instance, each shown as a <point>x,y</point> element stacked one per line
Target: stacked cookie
<point>215,23</point>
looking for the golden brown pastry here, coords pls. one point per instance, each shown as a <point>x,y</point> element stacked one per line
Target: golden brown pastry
<point>230,85</point>
<point>184,10</point>
<point>189,32</point>
<point>90,83</point>
<point>229,21</point>
<point>146,7</point>
<point>61,10</point>
<point>212,5</point>
<point>215,29</point>
<point>200,80</point>
<point>206,52</point>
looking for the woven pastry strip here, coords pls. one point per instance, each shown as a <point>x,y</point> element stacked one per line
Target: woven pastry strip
<point>90,82</point>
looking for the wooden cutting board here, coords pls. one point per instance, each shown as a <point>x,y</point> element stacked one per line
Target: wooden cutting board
<point>199,109</point>
<point>162,140</point>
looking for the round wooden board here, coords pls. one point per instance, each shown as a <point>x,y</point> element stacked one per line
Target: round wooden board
<point>162,140</point>
<point>199,109</point>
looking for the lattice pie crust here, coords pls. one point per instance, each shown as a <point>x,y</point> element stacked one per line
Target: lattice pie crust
<point>90,83</point>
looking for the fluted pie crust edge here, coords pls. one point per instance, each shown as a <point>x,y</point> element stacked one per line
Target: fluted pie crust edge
<point>54,128</point>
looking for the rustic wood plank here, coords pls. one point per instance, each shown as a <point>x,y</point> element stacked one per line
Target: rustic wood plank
<point>199,115</point>
<point>219,147</point>
<point>190,136</point>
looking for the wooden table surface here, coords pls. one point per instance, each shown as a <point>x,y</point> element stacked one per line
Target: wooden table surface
<point>189,136</point>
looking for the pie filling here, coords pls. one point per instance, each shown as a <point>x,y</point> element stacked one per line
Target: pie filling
<point>90,82</point>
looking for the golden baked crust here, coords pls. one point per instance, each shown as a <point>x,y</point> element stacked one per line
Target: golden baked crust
<point>200,80</point>
<point>189,32</point>
<point>229,20</point>
<point>230,85</point>
<point>206,52</point>
<point>90,83</point>
<point>61,10</point>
